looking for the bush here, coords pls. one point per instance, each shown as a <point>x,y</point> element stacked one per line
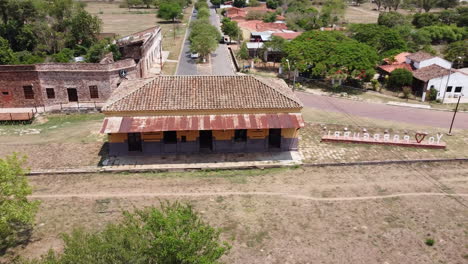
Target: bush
<point>425,19</point>
<point>16,212</point>
<point>64,56</point>
<point>430,242</point>
<point>243,52</point>
<point>432,94</point>
<point>272,4</point>
<point>392,19</point>
<point>173,234</point>
<point>255,15</point>
<point>406,92</point>
<point>399,78</point>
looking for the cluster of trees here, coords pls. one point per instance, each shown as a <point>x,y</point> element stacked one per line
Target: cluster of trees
<point>154,3</point>
<point>425,5</point>
<point>204,37</point>
<point>31,30</point>
<point>331,55</point>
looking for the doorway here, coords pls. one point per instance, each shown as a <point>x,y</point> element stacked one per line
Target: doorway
<point>206,140</point>
<point>274,138</point>
<point>134,142</point>
<point>72,95</point>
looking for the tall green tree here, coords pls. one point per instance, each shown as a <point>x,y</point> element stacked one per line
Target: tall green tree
<point>385,40</point>
<point>231,29</point>
<point>170,11</point>
<point>173,234</point>
<point>392,19</point>
<point>427,5</point>
<point>7,56</point>
<point>239,3</point>
<point>448,3</point>
<point>16,211</point>
<point>458,53</point>
<point>325,53</point>
<point>84,29</point>
<point>204,37</point>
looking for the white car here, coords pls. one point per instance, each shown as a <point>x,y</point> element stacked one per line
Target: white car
<point>194,55</point>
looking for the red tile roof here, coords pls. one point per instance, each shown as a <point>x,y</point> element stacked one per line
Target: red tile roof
<point>391,67</point>
<point>170,93</point>
<point>420,56</point>
<point>430,72</point>
<point>398,59</point>
<point>260,26</point>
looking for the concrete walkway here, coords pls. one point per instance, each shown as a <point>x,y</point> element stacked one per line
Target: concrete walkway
<point>187,162</point>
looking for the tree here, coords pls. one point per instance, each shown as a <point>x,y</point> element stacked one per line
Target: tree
<point>65,55</point>
<point>204,37</point>
<point>332,11</point>
<point>84,29</point>
<point>455,50</point>
<point>399,78</point>
<point>243,52</point>
<point>203,13</point>
<point>425,19</point>
<point>448,3</point>
<point>173,234</point>
<point>382,38</point>
<point>7,56</point>
<point>269,17</point>
<point>231,28</point>
<point>170,11</point>
<point>239,3</point>
<point>326,53</point>
<point>134,3</point>
<point>272,4</point>
<point>392,19</point>
<point>16,212</point>
<point>427,5</point>
<point>379,4</point>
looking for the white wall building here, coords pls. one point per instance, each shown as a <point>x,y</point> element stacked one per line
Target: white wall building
<point>450,84</point>
<point>422,59</point>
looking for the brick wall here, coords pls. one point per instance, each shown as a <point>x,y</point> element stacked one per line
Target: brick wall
<point>60,77</point>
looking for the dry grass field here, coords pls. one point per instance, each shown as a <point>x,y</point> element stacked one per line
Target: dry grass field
<point>124,21</point>
<point>369,214</point>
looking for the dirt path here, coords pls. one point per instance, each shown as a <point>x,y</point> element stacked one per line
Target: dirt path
<point>285,195</point>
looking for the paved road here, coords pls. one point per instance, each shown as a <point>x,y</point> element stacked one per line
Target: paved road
<point>385,112</point>
<point>187,66</point>
<point>220,63</point>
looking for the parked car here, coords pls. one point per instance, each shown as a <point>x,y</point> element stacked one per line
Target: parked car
<point>194,55</point>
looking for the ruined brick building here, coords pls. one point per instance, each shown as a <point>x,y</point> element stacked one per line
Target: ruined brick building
<point>49,84</point>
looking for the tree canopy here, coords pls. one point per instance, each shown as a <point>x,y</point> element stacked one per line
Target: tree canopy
<point>37,28</point>
<point>173,234</point>
<point>231,28</point>
<point>386,41</point>
<point>16,211</point>
<point>170,11</point>
<point>400,78</point>
<point>325,53</point>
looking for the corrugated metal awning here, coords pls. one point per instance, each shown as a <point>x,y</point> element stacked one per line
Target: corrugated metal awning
<point>200,122</point>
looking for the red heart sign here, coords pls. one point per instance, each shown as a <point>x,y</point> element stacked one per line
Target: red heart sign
<point>420,137</point>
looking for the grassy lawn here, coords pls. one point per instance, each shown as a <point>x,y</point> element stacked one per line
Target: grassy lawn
<point>55,141</point>
<point>169,68</point>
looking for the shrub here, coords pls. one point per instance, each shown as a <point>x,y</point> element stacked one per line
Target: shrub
<point>432,94</point>
<point>392,19</point>
<point>406,92</point>
<point>399,78</point>
<point>16,212</point>
<point>173,234</point>
<point>430,242</point>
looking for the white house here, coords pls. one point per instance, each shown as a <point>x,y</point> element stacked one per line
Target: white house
<point>422,59</point>
<point>449,83</point>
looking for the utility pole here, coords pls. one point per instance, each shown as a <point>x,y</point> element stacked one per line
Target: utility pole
<point>454,114</point>
<point>448,78</point>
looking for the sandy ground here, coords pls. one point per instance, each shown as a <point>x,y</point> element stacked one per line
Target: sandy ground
<point>373,214</point>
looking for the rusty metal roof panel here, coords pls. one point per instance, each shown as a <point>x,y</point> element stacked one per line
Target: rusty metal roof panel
<point>201,122</point>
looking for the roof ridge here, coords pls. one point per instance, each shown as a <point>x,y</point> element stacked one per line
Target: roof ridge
<point>282,92</point>
<point>109,104</point>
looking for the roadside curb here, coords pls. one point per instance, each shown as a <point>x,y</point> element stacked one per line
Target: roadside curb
<point>239,167</point>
